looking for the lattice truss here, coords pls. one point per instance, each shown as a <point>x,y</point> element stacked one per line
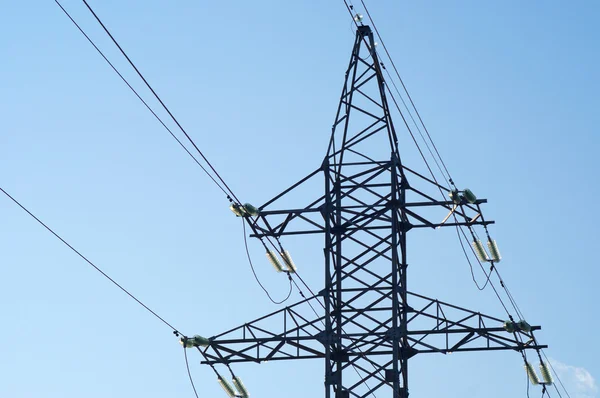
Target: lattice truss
<point>367,325</point>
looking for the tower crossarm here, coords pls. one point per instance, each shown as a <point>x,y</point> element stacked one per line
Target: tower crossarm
<point>437,327</point>
<point>296,337</point>
<point>422,209</point>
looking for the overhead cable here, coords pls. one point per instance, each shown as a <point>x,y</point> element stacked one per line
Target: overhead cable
<point>88,261</point>
<point>138,95</point>
<point>160,100</point>
<point>403,85</point>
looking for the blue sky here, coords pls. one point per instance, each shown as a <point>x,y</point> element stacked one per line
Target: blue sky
<point>508,90</point>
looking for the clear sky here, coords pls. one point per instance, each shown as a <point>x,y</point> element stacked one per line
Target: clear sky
<point>509,91</point>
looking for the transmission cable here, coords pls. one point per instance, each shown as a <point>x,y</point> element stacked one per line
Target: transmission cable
<point>555,374</point>
<point>404,86</point>
<point>350,8</point>
<point>224,187</point>
<point>228,192</point>
<point>448,180</point>
<point>161,101</point>
<point>175,331</point>
<point>138,95</point>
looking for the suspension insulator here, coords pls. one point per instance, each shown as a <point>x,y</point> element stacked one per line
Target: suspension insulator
<point>469,196</point>
<point>226,387</point>
<point>524,326</point>
<point>251,210</point>
<point>480,250</point>
<point>289,263</point>
<point>509,326</point>
<point>533,377</point>
<point>196,341</point>
<point>494,252</point>
<point>546,375</point>
<point>274,260</point>
<point>358,17</point>
<point>238,210</point>
<point>455,196</point>
<point>237,382</point>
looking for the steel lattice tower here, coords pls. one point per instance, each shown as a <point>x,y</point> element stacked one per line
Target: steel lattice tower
<point>367,325</point>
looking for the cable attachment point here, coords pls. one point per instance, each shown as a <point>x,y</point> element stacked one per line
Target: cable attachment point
<point>246,210</point>
<point>509,326</point>
<point>524,326</point>
<point>196,341</point>
<point>460,197</point>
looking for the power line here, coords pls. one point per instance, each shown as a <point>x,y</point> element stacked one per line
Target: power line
<point>404,86</point>
<point>88,261</point>
<point>415,123</point>
<point>138,95</point>
<point>160,100</point>
<point>148,107</point>
<point>556,375</point>
<point>218,176</point>
<point>350,9</point>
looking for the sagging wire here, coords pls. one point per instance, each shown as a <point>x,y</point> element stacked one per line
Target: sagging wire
<point>487,276</point>
<point>495,269</point>
<point>490,282</point>
<point>187,365</point>
<point>256,276</point>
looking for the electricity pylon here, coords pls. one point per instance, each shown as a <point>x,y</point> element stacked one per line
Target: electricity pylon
<point>365,324</point>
